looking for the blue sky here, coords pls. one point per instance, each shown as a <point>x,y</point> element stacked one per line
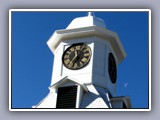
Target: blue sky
<point>32,60</point>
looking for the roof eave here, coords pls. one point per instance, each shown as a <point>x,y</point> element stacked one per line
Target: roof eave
<point>106,34</point>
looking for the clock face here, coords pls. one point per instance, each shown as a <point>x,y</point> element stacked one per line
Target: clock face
<point>112,68</point>
<point>76,56</point>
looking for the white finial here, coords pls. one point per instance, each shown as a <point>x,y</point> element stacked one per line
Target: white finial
<point>90,14</point>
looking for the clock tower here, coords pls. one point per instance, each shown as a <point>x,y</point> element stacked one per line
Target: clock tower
<point>86,56</point>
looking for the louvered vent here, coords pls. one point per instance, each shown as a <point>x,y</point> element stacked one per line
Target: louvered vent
<point>67,97</point>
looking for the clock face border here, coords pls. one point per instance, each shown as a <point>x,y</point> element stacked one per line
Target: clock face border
<point>112,68</point>
<point>76,44</point>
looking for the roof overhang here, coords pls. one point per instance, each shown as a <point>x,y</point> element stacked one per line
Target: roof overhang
<point>65,80</point>
<point>107,35</point>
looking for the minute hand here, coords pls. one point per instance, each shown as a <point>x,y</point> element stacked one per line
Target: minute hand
<point>74,57</point>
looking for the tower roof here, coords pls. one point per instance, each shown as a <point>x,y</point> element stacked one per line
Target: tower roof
<point>85,27</point>
<point>86,21</point>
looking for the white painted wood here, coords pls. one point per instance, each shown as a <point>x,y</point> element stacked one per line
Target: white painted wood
<point>94,85</point>
<point>86,22</point>
<point>79,96</point>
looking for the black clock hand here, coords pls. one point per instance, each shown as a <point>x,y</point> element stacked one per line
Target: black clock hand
<point>75,56</point>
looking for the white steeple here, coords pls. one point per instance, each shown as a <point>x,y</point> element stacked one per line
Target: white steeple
<point>93,85</point>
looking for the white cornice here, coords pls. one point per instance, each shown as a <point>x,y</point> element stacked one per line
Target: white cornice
<point>65,80</point>
<point>106,34</point>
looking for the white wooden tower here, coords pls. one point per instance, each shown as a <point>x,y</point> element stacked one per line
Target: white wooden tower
<point>86,56</point>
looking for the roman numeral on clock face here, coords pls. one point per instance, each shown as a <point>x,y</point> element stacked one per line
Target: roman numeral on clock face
<point>75,65</point>
<point>66,56</point>
<point>67,61</point>
<point>72,49</point>
<point>78,47</point>
<point>86,54</point>
<point>84,59</point>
